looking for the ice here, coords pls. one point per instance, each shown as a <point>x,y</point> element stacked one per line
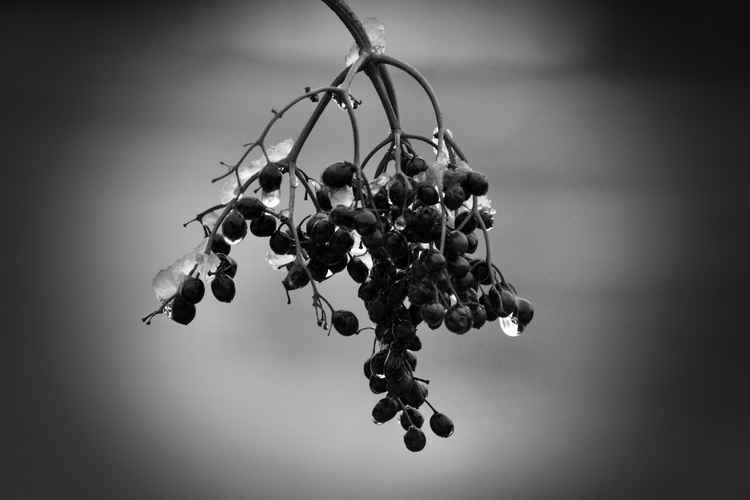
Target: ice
<point>435,141</point>
<point>358,249</point>
<point>229,188</point>
<point>276,261</point>
<point>367,259</point>
<point>376,33</point>
<point>211,218</point>
<point>167,281</point>
<point>342,196</point>
<point>164,284</point>
<point>379,183</point>
<point>271,199</point>
<point>509,326</point>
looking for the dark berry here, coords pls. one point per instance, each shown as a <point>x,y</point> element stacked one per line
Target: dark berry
<point>458,319</point>
<point>357,270</point>
<point>384,410</point>
<point>263,226</point>
<point>296,277</point>
<point>456,243</point>
<point>414,344</point>
<point>433,314</point>
<point>473,243</point>
<point>270,178</point>
<point>378,385</point>
<point>478,315</point>
<point>413,166</point>
<point>427,194</point>
<point>411,416</point>
<point>234,226</point>
<point>192,290</point>
<point>434,262</point>
<point>343,216</point>
<point>466,219</point>
<point>365,221</point>
<point>250,207</point>
<point>454,197</point>
<point>318,269</point>
<point>458,267</point>
<point>508,303</point>
<point>323,199</point>
<point>345,322</point>
<point>341,241</point>
<point>227,265</point>
<point>415,439</point>
<point>454,177</point>
<point>338,175</point>
<point>281,242</point>
<point>223,288</point>
<point>441,425</point>
<point>476,184</point>
<point>368,291</point>
<point>525,311</point>
<point>219,244</point>
<point>183,311</point>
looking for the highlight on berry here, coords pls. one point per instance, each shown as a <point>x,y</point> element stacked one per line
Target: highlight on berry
<point>412,233</point>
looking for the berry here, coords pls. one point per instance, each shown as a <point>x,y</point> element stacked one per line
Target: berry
<point>338,175</point>
<point>470,223</point>
<point>525,311</point>
<point>234,226</point>
<point>458,319</point>
<point>357,270</point>
<point>263,226</point>
<point>345,322</point>
<point>223,288</point>
<point>341,241</point>
<point>384,410</point>
<point>454,197</point>
<point>411,416</point>
<point>378,385</point>
<point>458,267</point>
<point>318,269</point>
<point>415,439</point>
<point>192,290</point>
<point>250,207</point>
<point>281,242</point>
<point>270,178</point>
<point>413,166</point>
<point>368,291</point>
<point>183,311</point>
<point>427,194</point>
<point>508,303</point>
<point>476,184</point>
<point>473,243</point>
<point>454,177</point>
<point>320,229</point>
<point>323,199</point>
<point>296,277</point>
<point>479,315</point>
<point>365,221</point>
<point>219,245</point>
<point>414,344</point>
<point>434,262</point>
<point>456,243</point>
<point>433,314</point>
<point>441,425</point>
<point>343,216</point>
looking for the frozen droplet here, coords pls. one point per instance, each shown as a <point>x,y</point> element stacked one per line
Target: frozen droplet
<point>379,183</point>
<point>271,199</point>
<point>435,141</point>
<point>276,261</point>
<point>376,33</point>
<point>211,218</point>
<point>400,223</point>
<point>358,249</point>
<point>376,422</point>
<point>229,188</point>
<point>509,326</point>
<point>279,151</point>
<point>168,311</point>
<point>453,299</point>
<point>342,196</point>
<point>366,258</point>
<point>164,285</point>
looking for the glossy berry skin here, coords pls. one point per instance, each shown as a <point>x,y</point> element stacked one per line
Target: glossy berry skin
<point>414,439</point>
<point>192,290</point>
<point>220,245</point>
<point>413,166</point>
<point>384,410</point>
<point>508,303</point>
<point>378,385</point>
<point>234,226</point>
<point>280,242</point>
<point>183,311</point>
<point>338,175</point>
<point>263,226</point>
<point>414,418</point>
<point>456,243</point>
<point>441,425</point>
<point>296,277</point>
<point>525,311</point>
<point>427,194</point>
<point>458,319</point>
<point>270,178</point>
<point>223,288</point>
<point>458,267</point>
<point>345,322</point>
<point>433,314</point>
<point>365,221</point>
<point>357,270</point>
<point>454,197</point>
<point>250,207</point>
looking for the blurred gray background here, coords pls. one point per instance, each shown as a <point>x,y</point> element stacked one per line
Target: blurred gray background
<point>614,140</point>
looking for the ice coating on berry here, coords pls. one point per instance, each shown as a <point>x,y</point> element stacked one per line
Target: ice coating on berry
<point>164,284</point>
<point>342,196</point>
<point>229,187</point>
<point>271,199</point>
<point>376,33</point>
<point>276,261</point>
<point>509,326</point>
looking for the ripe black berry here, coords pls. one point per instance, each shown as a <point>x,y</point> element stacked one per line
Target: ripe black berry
<point>263,226</point>
<point>433,314</point>
<point>345,322</point>
<point>219,244</point>
<point>357,270</point>
<point>318,269</point>
<point>441,425</point>
<point>415,439</point>
<point>250,207</point>
<point>384,410</point>
<point>466,219</point>
<point>234,226</point>
<point>413,166</point>
<point>183,311</point>
<point>473,243</point>
<point>456,243</point>
<point>508,303</point>
<point>476,184</point>
<point>281,242</point>
<point>192,290</point>
<point>458,267</point>
<point>427,194</point>
<point>323,199</point>
<point>454,196</point>
<point>411,416</point>
<point>365,221</point>
<point>479,315</point>
<point>525,311</point>
<point>296,277</point>
<point>378,385</point>
<point>338,175</point>
<point>341,241</point>
<point>270,177</point>
<point>223,288</point>
<point>458,319</point>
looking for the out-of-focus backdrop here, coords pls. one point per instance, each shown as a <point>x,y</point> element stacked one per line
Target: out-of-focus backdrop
<point>614,140</point>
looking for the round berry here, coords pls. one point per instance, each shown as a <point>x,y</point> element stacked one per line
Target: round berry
<point>365,221</point>
<point>384,410</point>
<point>411,416</point>
<point>478,315</point>
<point>454,196</point>
<point>525,311</point>
<point>427,194</point>
<point>219,244</point>
<point>341,241</point>
<point>458,267</point>
<point>250,207</point>
<point>323,199</point>
<point>263,226</point>
<point>378,385</point>
<point>466,219</point>
<point>476,184</point>
<point>227,265</point>
<point>414,439</point>
<point>343,216</point>
<point>338,175</point>
<point>183,311</point>
<point>458,319</point>
<point>296,277</point>
<point>357,270</point>
<point>223,288</point>
<point>270,178</point>
<point>192,290</point>
<point>433,314</point>
<point>345,322</point>
<point>234,226</point>
<point>413,166</point>
<point>441,425</point>
<point>318,270</point>
<point>281,242</point>
<point>473,243</point>
<point>456,243</point>
<point>508,303</point>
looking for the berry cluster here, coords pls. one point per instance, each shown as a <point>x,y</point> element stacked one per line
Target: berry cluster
<point>409,239</point>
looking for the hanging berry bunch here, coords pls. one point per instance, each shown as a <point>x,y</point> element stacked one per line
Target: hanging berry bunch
<point>408,235</point>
